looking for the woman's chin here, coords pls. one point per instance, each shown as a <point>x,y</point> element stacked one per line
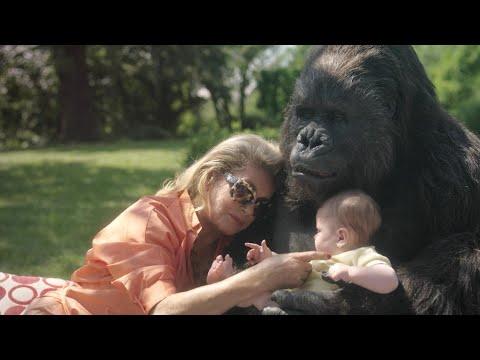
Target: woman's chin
<point>231,230</point>
<point>230,226</point>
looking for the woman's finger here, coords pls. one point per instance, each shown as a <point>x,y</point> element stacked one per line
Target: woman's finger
<point>309,255</point>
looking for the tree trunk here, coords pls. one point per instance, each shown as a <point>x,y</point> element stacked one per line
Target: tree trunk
<point>241,112</point>
<point>275,86</point>
<point>220,104</point>
<point>165,117</point>
<point>77,118</point>
<point>123,114</point>
<point>216,108</point>
<point>227,115</point>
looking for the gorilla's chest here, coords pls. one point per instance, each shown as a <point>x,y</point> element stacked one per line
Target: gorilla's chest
<point>292,230</point>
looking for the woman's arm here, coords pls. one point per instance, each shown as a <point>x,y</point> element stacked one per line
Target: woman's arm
<point>282,271</point>
<point>213,299</point>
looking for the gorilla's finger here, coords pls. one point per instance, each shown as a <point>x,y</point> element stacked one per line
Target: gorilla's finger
<point>305,302</point>
<point>283,298</point>
<point>270,310</point>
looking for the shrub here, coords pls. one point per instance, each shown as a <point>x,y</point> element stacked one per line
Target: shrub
<point>203,141</point>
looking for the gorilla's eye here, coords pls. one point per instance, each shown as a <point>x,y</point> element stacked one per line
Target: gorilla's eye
<point>305,113</point>
<point>337,116</point>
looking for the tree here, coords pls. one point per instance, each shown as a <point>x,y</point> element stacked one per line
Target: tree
<point>77,118</point>
<point>455,72</point>
<point>213,71</point>
<point>28,85</point>
<point>275,83</point>
<point>173,69</point>
<point>243,57</point>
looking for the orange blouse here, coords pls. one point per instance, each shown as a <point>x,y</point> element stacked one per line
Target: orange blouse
<point>136,261</point>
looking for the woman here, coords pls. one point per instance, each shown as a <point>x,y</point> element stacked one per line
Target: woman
<point>154,257</point>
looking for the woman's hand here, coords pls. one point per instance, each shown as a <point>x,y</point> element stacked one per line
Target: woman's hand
<point>284,270</point>
<point>276,272</point>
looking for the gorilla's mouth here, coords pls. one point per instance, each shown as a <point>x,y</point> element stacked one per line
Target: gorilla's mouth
<point>301,170</point>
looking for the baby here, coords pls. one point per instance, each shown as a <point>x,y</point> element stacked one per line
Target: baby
<point>345,224</point>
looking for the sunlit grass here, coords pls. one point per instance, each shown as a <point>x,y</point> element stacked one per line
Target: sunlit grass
<point>53,201</point>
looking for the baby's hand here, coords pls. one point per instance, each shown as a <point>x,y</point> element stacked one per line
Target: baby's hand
<point>339,272</point>
<point>257,252</point>
<point>220,269</point>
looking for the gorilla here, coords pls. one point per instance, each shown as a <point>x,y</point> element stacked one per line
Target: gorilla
<point>367,117</point>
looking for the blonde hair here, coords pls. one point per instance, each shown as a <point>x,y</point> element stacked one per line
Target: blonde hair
<point>356,210</point>
<point>232,154</point>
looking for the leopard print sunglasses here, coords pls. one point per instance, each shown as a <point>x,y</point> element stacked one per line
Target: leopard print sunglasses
<point>244,193</point>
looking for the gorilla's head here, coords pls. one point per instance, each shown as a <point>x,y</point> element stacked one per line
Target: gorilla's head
<point>348,118</point>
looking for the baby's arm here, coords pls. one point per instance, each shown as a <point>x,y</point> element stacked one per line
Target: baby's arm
<point>379,278</point>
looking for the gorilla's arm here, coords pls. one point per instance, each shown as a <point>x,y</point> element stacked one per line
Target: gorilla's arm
<point>300,302</point>
<point>445,277</point>
<point>350,299</point>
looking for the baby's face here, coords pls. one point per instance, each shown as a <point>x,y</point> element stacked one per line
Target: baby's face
<point>326,237</point>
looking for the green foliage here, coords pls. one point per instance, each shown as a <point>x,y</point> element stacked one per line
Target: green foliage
<point>468,112</point>
<point>192,121</point>
<point>275,85</point>
<point>142,91</point>
<point>203,141</point>
<point>28,84</point>
<point>455,72</point>
<point>154,92</point>
<point>139,91</point>
<point>269,133</point>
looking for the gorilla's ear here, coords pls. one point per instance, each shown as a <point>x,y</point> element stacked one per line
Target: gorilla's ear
<point>392,106</point>
<point>391,88</point>
<point>415,89</point>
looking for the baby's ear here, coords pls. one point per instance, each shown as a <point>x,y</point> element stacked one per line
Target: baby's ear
<point>343,237</point>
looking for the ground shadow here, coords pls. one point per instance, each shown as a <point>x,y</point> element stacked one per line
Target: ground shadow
<point>50,212</point>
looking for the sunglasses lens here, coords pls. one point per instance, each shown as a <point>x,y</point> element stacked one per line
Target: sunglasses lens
<point>241,193</point>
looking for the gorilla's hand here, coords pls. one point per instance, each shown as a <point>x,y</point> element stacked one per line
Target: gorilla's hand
<point>301,302</point>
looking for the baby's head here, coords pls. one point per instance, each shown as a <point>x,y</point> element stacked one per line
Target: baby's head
<point>346,221</point>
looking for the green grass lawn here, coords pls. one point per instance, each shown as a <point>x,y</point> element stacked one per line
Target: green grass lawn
<point>53,201</point>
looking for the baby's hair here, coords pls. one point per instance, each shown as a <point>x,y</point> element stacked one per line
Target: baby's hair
<point>356,210</point>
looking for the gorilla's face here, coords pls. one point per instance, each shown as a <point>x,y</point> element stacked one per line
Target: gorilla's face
<point>339,131</point>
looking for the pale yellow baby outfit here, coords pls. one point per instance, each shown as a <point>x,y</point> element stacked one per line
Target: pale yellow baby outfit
<point>363,257</point>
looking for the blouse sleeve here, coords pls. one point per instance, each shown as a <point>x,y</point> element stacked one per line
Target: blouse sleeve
<point>143,262</point>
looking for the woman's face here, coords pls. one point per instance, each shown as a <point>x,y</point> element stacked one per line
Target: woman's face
<point>229,216</point>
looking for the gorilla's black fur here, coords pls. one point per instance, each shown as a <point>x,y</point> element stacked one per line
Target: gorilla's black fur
<point>367,117</point>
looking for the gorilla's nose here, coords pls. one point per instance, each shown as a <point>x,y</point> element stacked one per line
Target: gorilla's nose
<point>313,138</point>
